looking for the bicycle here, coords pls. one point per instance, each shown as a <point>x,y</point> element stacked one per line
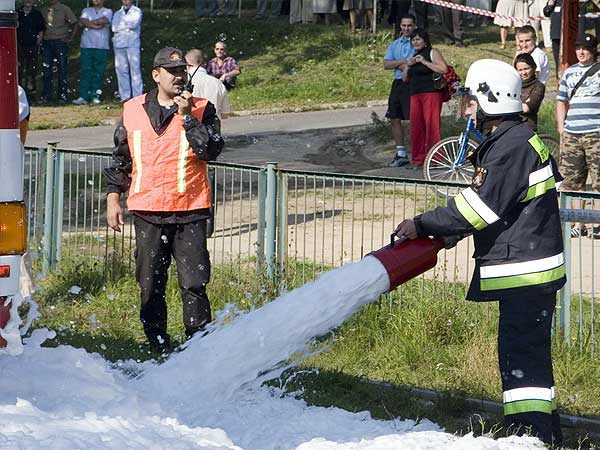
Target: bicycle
<point>447,160</point>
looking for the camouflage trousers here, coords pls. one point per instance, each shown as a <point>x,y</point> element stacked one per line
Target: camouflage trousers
<point>580,157</point>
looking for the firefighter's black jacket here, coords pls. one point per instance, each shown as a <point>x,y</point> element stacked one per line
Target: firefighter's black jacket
<point>511,208</point>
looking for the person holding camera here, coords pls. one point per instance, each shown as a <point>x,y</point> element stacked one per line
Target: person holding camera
<point>422,71</point>
<point>162,145</point>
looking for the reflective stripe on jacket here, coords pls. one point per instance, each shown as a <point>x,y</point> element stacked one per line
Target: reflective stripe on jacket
<point>166,174</point>
<point>511,208</point>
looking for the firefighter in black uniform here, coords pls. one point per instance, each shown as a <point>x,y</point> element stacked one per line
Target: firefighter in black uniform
<point>511,209</point>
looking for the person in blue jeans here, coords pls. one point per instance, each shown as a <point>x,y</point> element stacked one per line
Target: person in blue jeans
<point>61,28</point>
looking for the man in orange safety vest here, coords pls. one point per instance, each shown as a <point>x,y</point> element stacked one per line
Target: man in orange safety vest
<point>162,145</point>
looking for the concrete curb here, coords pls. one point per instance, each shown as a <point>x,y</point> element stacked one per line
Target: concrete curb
<point>589,424</point>
<point>308,108</point>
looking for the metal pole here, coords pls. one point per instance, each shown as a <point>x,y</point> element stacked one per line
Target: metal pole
<point>47,249</point>
<point>564,322</point>
<point>271,219</point>
<point>260,227</point>
<point>240,9</point>
<point>374,24</point>
<point>57,216</point>
<point>282,229</point>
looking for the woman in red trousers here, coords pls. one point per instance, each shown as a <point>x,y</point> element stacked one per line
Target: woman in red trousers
<point>425,100</point>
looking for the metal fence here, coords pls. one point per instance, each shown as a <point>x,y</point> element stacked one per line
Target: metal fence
<point>291,225</point>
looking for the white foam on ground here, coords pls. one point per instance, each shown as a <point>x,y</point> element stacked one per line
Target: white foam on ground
<point>209,396</point>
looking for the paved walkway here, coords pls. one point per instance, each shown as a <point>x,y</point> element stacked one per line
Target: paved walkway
<point>101,137</point>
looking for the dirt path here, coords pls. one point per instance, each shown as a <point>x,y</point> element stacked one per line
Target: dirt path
<point>359,150</point>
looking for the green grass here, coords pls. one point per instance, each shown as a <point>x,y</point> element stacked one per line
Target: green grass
<point>424,335</point>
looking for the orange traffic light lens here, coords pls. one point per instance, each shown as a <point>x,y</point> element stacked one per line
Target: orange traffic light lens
<point>13,228</point>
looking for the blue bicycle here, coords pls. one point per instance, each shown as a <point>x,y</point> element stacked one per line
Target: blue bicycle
<point>447,160</point>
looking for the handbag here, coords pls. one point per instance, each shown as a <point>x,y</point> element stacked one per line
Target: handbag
<point>446,83</point>
<point>439,82</point>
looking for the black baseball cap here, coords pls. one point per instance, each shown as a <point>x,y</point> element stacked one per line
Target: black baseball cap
<point>169,57</point>
<point>587,40</point>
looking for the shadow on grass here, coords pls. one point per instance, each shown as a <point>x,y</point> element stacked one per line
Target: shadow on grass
<point>386,401</point>
<point>111,348</point>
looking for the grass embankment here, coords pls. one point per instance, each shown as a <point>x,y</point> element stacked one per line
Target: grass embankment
<point>287,67</point>
<point>421,336</point>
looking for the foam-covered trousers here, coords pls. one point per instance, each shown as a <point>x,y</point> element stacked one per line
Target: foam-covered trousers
<point>525,360</point>
<point>155,244</point>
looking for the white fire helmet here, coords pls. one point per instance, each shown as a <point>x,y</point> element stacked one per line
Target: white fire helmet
<point>497,86</point>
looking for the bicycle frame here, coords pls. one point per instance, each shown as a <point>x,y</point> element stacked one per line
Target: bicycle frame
<point>464,138</point>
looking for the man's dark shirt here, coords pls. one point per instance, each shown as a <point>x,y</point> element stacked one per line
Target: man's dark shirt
<point>204,138</point>
<point>30,26</point>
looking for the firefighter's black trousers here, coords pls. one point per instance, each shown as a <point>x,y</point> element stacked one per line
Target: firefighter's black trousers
<point>524,356</point>
<point>155,244</point>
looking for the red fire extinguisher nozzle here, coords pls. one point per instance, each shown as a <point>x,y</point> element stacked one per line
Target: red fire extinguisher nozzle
<point>405,259</point>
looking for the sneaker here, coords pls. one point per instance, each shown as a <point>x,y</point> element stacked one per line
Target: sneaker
<point>579,231</point>
<point>594,233</point>
<point>399,161</point>
<point>80,101</point>
<point>96,101</point>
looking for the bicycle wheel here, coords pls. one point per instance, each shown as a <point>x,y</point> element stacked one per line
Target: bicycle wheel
<point>553,145</point>
<point>439,162</point>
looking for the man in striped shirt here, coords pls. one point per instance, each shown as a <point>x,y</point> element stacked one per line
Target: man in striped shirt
<point>578,121</point>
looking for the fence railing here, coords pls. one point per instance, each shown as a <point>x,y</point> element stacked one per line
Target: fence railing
<point>290,225</point>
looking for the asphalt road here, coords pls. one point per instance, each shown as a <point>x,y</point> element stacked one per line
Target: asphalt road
<point>101,137</point>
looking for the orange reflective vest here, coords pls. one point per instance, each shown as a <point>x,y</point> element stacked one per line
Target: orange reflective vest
<point>166,174</point>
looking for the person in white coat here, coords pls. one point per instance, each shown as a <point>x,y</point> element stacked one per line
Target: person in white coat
<point>126,26</point>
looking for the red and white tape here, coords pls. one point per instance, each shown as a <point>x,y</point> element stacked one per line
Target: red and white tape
<point>484,12</point>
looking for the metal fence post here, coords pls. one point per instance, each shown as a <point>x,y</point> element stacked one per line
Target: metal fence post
<point>271,219</point>
<point>260,227</point>
<point>47,241</point>
<point>564,322</point>
<point>282,228</point>
<point>59,195</point>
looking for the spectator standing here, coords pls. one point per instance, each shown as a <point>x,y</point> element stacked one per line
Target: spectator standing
<point>355,9</point>
<point>425,100</point>
<point>532,90</point>
<point>29,37</point>
<point>536,9</point>
<point>261,8</point>
<point>223,67</point>
<point>201,4</point>
<point>452,24</point>
<point>518,9</point>
<point>422,13</point>
<point>171,136</point>
<point>398,9</point>
<point>205,86</point>
<point>553,10</point>
<point>227,8</point>
<point>324,8</point>
<point>527,43</point>
<point>126,26</point>
<point>61,28</point>
<point>578,122</point>
<point>94,52</point>
<point>396,58</point>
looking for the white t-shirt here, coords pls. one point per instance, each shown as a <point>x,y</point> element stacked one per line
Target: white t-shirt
<point>127,26</point>
<point>93,37</point>
<point>210,88</point>
<point>543,65</point>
